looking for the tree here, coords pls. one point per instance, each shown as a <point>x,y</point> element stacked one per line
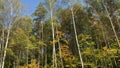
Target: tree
<point>51,4</point>
<point>13,11</point>
<point>39,16</point>
<point>60,32</point>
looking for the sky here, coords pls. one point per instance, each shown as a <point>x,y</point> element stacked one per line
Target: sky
<point>30,6</point>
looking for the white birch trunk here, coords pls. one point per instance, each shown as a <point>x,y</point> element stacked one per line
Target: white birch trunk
<point>113,28</point>
<point>54,51</point>
<point>7,38</point>
<point>6,45</point>
<point>78,46</point>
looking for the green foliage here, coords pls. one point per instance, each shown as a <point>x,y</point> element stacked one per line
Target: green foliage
<point>85,40</point>
<point>31,38</point>
<point>40,43</point>
<point>40,13</point>
<point>20,37</point>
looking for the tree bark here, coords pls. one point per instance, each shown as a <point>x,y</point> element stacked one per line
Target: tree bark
<point>6,45</point>
<point>111,22</point>
<point>78,46</point>
<point>7,38</point>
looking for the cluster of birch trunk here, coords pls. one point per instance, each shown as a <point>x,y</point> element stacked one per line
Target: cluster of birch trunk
<point>11,10</point>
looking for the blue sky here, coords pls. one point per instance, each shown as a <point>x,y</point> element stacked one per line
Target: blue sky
<point>30,6</point>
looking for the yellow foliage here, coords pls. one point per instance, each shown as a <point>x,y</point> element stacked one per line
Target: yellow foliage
<point>112,51</point>
<point>34,64</point>
<point>88,51</point>
<point>59,33</point>
<point>22,67</point>
<point>54,41</point>
<point>105,48</point>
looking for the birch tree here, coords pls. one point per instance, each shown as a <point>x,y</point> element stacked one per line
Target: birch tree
<point>51,4</point>
<point>75,31</point>
<point>111,22</point>
<point>12,16</point>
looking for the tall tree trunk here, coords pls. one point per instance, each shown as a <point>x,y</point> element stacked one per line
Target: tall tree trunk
<point>42,56</point>
<point>8,34</point>
<point>53,36</point>
<point>27,53</point>
<point>6,45</point>
<point>78,46</point>
<point>118,22</point>
<point>111,22</point>
<point>45,57</point>
<point>42,49</point>
<point>60,52</point>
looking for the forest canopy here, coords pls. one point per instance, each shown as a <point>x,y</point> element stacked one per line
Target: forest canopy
<point>60,34</point>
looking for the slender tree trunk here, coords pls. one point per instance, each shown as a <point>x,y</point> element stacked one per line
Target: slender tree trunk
<point>113,28</point>
<point>103,34</point>
<point>6,45</point>
<point>42,48</point>
<point>60,52</point>
<point>78,46</point>
<point>8,34</point>
<point>42,56</point>
<point>38,60</point>
<point>118,22</point>
<point>27,58</point>
<point>54,51</point>
<point>45,57</point>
